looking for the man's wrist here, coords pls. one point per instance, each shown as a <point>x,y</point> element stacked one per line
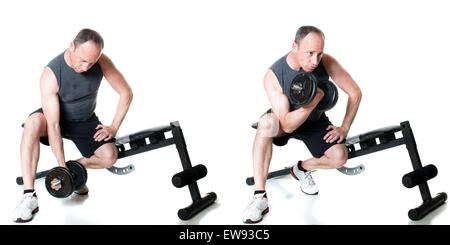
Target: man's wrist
<point>62,163</point>
<point>115,128</point>
<point>345,128</point>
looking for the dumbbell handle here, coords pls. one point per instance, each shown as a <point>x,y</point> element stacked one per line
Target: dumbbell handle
<point>297,87</point>
<point>56,183</point>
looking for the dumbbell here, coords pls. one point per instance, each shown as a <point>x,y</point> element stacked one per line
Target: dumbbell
<point>62,182</point>
<point>304,87</point>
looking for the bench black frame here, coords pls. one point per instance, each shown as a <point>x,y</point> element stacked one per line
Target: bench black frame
<point>152,139</point>
<point>386,139</point>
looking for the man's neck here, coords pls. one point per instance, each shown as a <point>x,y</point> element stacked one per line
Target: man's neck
<point>67,58</point>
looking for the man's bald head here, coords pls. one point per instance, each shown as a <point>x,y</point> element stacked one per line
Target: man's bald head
<point>303,31</point>
<point>85,50</point>
<point>308,46</point>
<point>86,35</point>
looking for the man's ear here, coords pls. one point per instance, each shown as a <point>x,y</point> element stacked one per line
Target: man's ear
<point>72,46</point>
<point>294,47</point>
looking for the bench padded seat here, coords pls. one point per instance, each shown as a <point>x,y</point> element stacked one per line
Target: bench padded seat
<point>147,133</point>
<point>386,131</point>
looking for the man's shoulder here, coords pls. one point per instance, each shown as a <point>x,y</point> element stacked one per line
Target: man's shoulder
<point>328,60</point>
<point>279,62</point>
<point>56,61</point>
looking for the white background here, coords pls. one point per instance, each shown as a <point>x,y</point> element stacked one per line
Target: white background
<point>202,63</point>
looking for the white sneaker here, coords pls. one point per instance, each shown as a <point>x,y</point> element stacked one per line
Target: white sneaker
<point>28,205</point>
<point>308,186</point>
<point>257,207</point>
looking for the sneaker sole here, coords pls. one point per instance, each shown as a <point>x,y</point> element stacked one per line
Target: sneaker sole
<point>19,220</point>
<point>82,193</point>
<point>313,194</point>
<point>249,221</point>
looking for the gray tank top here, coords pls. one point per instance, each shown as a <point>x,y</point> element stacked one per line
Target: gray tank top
<point>285,74</point>
<point>77,91</point>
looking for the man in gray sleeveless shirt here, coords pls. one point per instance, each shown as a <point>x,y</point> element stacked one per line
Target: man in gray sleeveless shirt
<point>285,120</point>
<point>69,85</point>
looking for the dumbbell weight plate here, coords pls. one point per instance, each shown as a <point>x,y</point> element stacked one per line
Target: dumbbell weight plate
<point>331,95</point>
<point>65,186</point>
<point>79,174</point>
<point>303,89</point>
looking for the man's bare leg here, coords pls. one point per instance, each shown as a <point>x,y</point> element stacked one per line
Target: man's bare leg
<point>268,128</point>
<point>34,128</point>
<point>104,157</point>
<point>335,157</point>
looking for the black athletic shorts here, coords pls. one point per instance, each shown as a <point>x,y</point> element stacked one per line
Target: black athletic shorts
<point>81,133</point>
<point>311,133</point>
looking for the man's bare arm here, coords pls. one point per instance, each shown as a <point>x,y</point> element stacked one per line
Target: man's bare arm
<point>120,85</point>
<point>343,79</point>
<point>50,106</point>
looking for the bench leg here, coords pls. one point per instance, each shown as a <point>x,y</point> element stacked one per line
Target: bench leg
<point>199,203</point>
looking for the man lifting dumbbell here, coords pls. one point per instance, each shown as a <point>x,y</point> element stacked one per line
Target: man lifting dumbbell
<point>69,85</point>
<point>300,119</point>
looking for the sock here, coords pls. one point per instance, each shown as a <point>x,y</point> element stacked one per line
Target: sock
<point>29,191</point>
<point>261,192</point>
<point>300,167</point>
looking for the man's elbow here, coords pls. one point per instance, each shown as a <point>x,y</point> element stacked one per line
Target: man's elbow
<point>285,126</point>
<point>127,95</point>
<point>288,130</point>
<point>130,95</point>
<point>357,96</point>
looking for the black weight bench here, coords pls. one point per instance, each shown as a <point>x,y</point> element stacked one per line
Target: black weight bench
<point>154,138</point>
<point>381,139</point>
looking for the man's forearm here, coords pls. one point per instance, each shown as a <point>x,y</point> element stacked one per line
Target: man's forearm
<point>56,143</point>
<point>122,109</point>
<point>352,109</point>
<point>295,118</point>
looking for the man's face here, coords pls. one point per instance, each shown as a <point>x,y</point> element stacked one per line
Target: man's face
<point>309,52</point>
<point>84,56</point>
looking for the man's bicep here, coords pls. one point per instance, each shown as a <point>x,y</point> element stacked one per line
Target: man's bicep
<point>49,96</point>
<point>278,101</point>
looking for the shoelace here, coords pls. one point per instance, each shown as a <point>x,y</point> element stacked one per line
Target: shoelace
<point>309,177</point>
<point>253,201</point>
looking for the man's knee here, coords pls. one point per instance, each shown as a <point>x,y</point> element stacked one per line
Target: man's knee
<point>338,156</point>
<point>108,157</point>
<point>34,125</point>
<point>109,161</point>
<point>268,126</point>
